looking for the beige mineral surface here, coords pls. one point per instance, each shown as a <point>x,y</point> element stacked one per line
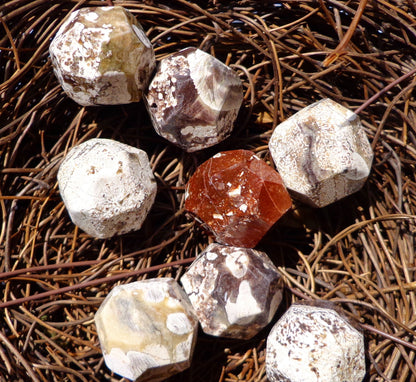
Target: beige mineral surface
<point>147,329</point>
<point>108,187</point>
<point>314,344</point>
<point>322,153</point>
<point>101,56</point>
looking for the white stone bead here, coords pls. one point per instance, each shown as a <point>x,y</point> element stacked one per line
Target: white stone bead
<point>108,187</point>
<point>101,56</point>
<point>322,153</point>
<point>235,291</point>
<point>194,99</point>
<point>314,344</point>
<point>147,329</point>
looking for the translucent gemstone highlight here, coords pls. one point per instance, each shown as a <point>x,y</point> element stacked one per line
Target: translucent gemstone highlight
<point>237,196</point>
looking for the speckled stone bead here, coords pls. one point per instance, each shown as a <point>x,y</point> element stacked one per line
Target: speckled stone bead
<point>108,187</point>
<point>235,291</point>
<point>322,153</point>
<point>101,56</point>
<point>147,329</point>
<point>314,344</point>
<point>237,196</point>
<point>194,99</point>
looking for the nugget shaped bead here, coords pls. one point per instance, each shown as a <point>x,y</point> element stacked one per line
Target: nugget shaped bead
<point>194,99</point>
<point>235,291</point>
<point>314,344</point>
<point>108,187</point>
<point>237,196</point>
<point>322,153</point>
<point>101,56</point>
<point>147,329</point>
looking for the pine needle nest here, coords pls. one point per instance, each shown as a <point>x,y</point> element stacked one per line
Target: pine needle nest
<point>358,253</point>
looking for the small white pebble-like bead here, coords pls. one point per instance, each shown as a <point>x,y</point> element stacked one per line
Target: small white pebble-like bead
<point>108,187</point>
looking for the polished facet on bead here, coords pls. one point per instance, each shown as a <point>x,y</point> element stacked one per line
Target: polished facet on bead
<point>314,343</point>
<point>147,329</point>
<point>237,196</point>
<point>235,291</point>
<point>101,56</point>
<point>108,187</point>
<point>322,153</point>
<point>194,99</point>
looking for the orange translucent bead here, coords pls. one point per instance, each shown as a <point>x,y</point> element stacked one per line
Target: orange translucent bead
<point>237,196</point>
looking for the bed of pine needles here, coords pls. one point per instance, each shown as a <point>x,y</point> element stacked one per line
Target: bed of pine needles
<point>358,253</point>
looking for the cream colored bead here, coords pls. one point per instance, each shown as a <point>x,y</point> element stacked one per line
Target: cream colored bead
<point>108,187</point>
<point>147,330</point>
<point>322,153</point>
<point>314,344</point>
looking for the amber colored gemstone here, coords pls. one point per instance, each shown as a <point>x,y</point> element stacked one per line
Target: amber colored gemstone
<point>237,196</point>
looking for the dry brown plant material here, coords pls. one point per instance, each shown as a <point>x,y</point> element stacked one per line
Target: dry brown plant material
<point>359,252</point>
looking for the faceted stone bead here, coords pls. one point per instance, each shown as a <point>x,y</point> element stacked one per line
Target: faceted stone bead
<point>313,343</point>
<point>101,56</point>
<point>147,329</point>
<point>194,99</point>
<point>322,153</point>
<point>237,196</point>
<point>108,187</point>
<point>235,291</point>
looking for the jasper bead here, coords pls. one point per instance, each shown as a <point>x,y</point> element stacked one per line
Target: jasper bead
<point>314,343</point>
<point>108,187</point>
<point>147,329</point>
<point>322,153</point>
<point>101,56</point>
<point>237,196</point>
<point>194,99</point>
<point>235,291</point>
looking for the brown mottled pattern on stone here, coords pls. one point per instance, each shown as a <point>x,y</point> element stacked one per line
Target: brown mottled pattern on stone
<point>235,291</point>
<point>322,153</point>
<point>101,56</point>
<point>237,196</point>
<point>147,329</point>
<point>313,343</point>
<point>193,99</point>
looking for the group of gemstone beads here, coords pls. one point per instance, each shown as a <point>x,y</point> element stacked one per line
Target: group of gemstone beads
<point>147,329</point>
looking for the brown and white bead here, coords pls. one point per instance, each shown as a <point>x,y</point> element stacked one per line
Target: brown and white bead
<point>147,329</point>
<point>235,291</point>
<point>322,153</point>
<point>194,99</point>
<point>101,56</point>
<point>314,343</point>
